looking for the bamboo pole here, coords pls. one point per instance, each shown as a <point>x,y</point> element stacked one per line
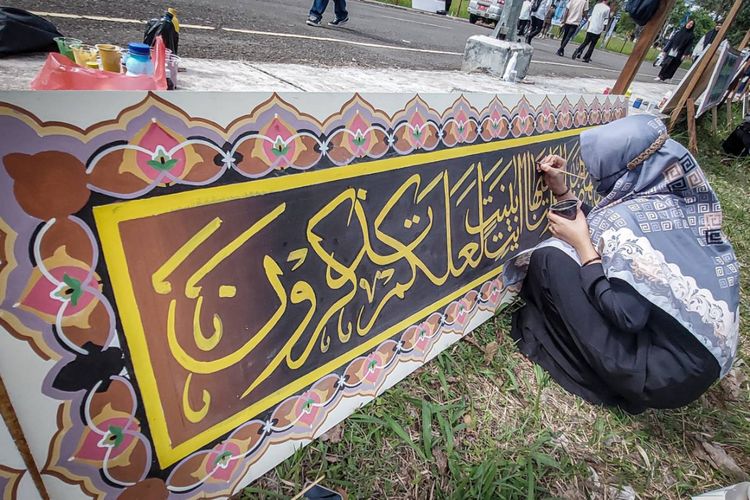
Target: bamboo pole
<point>9,416</point>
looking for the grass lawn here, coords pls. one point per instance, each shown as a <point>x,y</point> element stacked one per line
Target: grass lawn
<point>480,421</point>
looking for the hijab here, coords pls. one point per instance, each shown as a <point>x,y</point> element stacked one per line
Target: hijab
<point>683,38</point>
<point>658,227</point>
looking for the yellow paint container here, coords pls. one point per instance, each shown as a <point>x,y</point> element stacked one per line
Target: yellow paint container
<point>84,53</point>
<point>110,57</point>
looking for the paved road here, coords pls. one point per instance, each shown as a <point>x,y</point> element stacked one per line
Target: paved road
<point>274,31</point>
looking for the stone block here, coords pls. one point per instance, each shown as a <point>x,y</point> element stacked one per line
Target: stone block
<point>484,53</point>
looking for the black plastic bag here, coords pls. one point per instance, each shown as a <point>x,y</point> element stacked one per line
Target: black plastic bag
<point>642,10</point>
<point>165,28</point>
<point>22,31</point>
<point>738,142</point>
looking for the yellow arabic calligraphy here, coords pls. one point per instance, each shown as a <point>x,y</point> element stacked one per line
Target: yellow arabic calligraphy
<point>496,205</point>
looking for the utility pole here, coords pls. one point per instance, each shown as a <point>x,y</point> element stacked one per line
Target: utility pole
<point>507,25</point>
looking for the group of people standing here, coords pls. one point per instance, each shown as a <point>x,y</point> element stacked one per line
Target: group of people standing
<point>536,17</point>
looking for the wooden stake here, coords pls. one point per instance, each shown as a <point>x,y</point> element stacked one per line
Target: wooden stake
<point>692,136</point>
<point>9,415</point>
<point>744,41</point>
<point>730,118</point>
<point>645,41</point>
<point>703,63</point>
<point>714,119</point>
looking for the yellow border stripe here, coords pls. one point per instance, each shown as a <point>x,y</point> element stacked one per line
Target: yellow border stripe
<point>108,218</point>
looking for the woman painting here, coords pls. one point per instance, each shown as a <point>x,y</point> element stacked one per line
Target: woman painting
<point>636,304</point>
<point>675,50</point>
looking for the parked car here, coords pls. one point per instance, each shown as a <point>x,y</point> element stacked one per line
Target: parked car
<point>487,10</point>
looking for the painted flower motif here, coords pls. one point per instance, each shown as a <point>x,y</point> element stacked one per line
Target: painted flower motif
<point>306,407</point>
<point>65,285</point>
<point>462,125</point>
<point>159,141</point>
<point>564,115</point>
<point>495,125</point>
<point>545,117</point>
<point>491,291</point>
<point>161,160</point>
<point>281,145</point>
<point>580,114</point>
<point>423,338</point>
<point>523,120</point>
<point>220,464</point>
<point>595,115</point>
<point>110,439</point>
<point>359,139</point>
<point>417,126</point>
<point>373,367</point>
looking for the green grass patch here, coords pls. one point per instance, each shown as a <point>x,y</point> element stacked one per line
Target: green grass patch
<point>468,425</point>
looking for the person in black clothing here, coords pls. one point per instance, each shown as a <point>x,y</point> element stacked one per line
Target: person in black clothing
<point>705,41</point>
<point>624,306</point>
<point>538,10</point>
<point>675,50</point>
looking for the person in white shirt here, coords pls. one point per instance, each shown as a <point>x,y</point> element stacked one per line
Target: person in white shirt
<point>538,10</point>
<point>525,17</point>
<point>597,22</point>
<point>573,17</point>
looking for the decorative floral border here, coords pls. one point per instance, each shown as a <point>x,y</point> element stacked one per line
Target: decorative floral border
<point>10,478</point>
<point>63,314</point>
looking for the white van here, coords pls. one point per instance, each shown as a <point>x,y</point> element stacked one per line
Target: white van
<point>487,10</point>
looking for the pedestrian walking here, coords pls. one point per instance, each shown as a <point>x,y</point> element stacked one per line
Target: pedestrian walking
<point>524,18</point>
<point>319,6</point>
<point>597,21</point>
<point>538,11</point>
<point>548,20</point>
<point>675,50</point>
<point>573,17</point>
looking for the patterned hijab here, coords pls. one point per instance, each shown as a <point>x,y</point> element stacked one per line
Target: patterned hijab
<point>658,227</point>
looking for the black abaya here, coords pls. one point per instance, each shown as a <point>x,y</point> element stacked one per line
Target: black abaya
<point>603,341</point>
<point>676,48</point>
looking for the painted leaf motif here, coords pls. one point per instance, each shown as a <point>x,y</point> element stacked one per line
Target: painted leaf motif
<point>74,290</point>
<point>162,161</point>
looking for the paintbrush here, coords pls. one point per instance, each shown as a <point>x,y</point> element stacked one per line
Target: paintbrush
<point>571,174</point>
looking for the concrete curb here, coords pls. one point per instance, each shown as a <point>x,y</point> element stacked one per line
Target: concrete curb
<point>401,7</point>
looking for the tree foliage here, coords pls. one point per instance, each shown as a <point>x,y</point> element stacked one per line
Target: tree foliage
<point>704,13</point>
<point>720,8</point>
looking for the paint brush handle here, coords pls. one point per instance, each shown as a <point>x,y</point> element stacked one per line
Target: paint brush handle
<point>571,174</point>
